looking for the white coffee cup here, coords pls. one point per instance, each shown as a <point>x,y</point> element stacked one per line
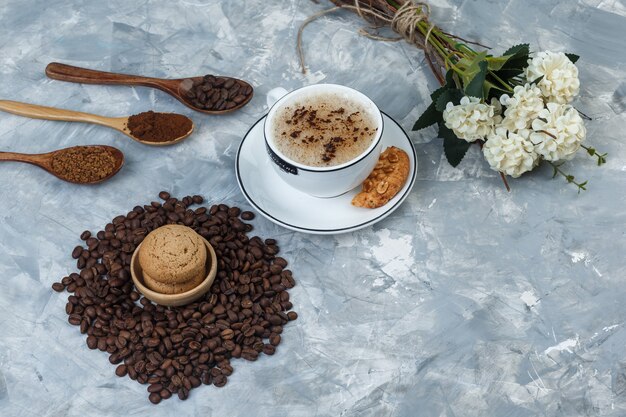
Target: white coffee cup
<point>328,181</point>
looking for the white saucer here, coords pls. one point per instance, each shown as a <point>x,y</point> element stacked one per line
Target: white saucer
<point>295,210</point>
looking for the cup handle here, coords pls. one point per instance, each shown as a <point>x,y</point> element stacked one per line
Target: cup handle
<point>274,95</point>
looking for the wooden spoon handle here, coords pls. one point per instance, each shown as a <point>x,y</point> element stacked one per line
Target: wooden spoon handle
<point>51,113</point>
<point>23,157</point>
<point>70,73</point>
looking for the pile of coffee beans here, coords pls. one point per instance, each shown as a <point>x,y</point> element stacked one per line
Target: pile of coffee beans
<point>218,93</point>
<point>176,349</point>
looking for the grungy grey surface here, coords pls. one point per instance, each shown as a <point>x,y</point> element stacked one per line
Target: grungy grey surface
<point>467,301</point>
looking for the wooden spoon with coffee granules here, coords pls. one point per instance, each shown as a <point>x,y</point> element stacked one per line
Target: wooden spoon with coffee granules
<point>149,128</point>
<point>78,164</point>
<point>208,94</point>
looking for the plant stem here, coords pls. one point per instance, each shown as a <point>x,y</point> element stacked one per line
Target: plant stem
<point>569,178</point>
<point>504,84</point>
<point>506,183</point>
<point>593,152</point>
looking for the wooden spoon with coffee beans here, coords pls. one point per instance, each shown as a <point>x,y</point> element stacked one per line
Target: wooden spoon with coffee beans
<point>208,94</point>
<point>79,164</point>
<point>149,128</point>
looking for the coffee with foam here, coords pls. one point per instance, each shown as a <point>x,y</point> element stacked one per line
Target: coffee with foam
<point>323,129</point>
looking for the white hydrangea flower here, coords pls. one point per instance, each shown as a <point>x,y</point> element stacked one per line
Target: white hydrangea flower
<point>509,152</point>
<point>523,107</point>
<point>471,119</point>
<point>565,132</point>
<point>560,82</point>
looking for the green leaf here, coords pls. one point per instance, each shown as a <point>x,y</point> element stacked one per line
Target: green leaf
<point>447,96</point>
<point>453,147</point>
<point>475,87</point>
<point>521,49</point>
<point>435,94</point>
<point>450,79</point>
<point>429,117</point>
<point>516,62</point>
<point>496,93</point>
<point>507,74</point>
<point>497,62</point>
<point>471,67</point>
<point>572,57</point>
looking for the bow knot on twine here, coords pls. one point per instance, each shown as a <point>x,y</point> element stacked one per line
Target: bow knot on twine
<point>404,22</point>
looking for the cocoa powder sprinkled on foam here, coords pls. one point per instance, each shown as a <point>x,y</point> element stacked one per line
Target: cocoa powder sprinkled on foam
<point>323,130</point>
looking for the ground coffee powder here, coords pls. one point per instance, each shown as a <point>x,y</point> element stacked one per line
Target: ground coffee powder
<point>158,127</point>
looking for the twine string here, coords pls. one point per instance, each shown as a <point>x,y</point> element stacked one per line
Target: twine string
<point>404,22</point>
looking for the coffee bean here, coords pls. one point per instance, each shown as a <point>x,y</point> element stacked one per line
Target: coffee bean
<point>269,349</point>
<point>220,381</point>
<point>275,320</point>
<point>84,325</point>
<point>78,250</point>
<point>275,339</point>
<point>195,382</point>
<point>249,354</point>
<point>177,349</point>
<point>92,342</point>
<point>155,388</point>
<point>247,215</point>
<point>85,235</point>
<point>155,398</point>
<point>183,393</point>
<point>234,90</point>
<point>292,315</point>
<point>239,98</point>
<point>121,370</point>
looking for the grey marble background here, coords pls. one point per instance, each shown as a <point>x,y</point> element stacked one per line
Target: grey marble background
<point>467,301</point>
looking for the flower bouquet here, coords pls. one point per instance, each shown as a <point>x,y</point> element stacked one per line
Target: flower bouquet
<point>516,106</point>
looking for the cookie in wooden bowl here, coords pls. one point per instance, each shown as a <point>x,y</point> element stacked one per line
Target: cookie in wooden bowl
<point>386,180</point>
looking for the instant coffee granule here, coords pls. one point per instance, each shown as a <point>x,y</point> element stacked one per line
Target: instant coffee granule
<point>158,127</point>
<point>175,349</point>
<point>84,164</point>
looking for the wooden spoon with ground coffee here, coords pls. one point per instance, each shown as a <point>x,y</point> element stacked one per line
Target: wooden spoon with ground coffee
<point>78,164</point>
<point>208,94</point>
<point>149,128</point>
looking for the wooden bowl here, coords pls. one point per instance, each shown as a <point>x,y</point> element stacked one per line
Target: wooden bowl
<point>183,298</point>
